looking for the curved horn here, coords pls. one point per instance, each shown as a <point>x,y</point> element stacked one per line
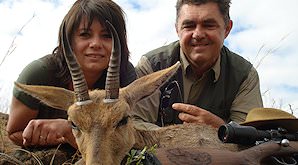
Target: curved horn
<point>112,81</point>
<point>79,83</point>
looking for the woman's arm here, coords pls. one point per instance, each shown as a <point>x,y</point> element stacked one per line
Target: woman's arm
<point>19,117</point>
<point>24,130</point>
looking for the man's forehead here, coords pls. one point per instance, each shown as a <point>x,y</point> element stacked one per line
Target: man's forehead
<point>202,12</point>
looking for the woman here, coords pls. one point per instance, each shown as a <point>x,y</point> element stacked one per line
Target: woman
<point>31,123</point>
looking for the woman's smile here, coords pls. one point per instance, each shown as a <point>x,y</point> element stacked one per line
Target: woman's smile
<point>95,56</point>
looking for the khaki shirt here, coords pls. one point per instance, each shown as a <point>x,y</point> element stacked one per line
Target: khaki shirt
<point>248,96</point>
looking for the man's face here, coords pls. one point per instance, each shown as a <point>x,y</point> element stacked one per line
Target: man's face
<point>202,30</point>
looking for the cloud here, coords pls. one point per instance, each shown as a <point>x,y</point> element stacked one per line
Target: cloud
<point>150,25</point>
<point>266,34</point>
<point>38,36</point>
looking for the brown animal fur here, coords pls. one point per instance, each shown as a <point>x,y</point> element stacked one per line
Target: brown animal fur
<point>191,135</point>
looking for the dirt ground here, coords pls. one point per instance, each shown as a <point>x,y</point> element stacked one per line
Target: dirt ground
<point>13,154</point>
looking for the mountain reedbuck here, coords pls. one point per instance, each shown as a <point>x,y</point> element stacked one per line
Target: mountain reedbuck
<point>101,120</point>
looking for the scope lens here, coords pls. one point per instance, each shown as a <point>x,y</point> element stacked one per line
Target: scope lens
<point>223,133</point>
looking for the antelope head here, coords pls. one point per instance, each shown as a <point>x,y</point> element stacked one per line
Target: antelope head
<point>101,123</point>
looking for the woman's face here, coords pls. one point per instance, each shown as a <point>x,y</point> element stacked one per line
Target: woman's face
<point>92,46</point>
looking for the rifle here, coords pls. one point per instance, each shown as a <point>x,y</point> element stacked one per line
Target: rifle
<point>274,146</point>
<point>249,135</point>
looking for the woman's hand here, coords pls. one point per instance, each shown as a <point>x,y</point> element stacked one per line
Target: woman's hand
<point>43,132</point>
<point>24,130</point>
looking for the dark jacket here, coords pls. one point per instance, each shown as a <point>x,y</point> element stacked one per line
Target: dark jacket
<point>216,97</point>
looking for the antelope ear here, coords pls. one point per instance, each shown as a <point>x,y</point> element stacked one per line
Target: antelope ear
<point>146,85</point>
<point>55,97</point>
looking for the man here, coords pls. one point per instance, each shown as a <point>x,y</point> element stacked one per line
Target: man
<point>216,85</point>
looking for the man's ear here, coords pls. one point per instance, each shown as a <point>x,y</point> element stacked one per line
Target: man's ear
<point>55,97</point>
<point>177,29</point>
<point>228,28</point>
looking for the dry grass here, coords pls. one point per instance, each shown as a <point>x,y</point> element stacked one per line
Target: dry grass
<point>13,154</point>
<point>272,101</point>
<point>12,46</point>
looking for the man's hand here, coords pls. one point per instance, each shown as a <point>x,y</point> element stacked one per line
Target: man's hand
<point>46,132</point>
<point>193,114</point>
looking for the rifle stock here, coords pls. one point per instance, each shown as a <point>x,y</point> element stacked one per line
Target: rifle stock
<point>251,156</point>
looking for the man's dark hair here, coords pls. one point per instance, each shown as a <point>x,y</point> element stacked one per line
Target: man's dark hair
<point>223,5</point>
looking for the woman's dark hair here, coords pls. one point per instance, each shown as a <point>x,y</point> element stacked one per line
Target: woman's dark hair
<point>223,5</point>
<point>101,10</point>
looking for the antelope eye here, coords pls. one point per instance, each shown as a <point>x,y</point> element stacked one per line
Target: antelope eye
<point>123,121</point>
<point>73,126</point>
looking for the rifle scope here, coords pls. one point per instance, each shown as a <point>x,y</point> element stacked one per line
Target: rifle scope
<point>249,135</point>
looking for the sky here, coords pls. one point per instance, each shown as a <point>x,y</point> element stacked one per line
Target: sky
<point>265,32</point>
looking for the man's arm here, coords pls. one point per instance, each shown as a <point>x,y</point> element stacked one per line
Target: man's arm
<point>143,67</point>
<point>145,112</point>
<point>248,97</point>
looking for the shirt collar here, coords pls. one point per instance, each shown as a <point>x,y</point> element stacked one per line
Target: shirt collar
<point>184,62</point>
<point>186,68</point>
<point>216,68</point>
